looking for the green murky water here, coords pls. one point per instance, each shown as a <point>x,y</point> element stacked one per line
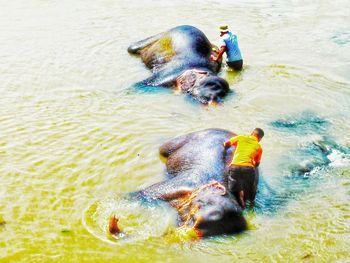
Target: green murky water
<point>74,135</point>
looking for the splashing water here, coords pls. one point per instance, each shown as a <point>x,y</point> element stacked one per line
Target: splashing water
<point>137,220</point>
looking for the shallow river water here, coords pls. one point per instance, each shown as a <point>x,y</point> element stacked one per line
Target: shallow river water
<point>74,135</point>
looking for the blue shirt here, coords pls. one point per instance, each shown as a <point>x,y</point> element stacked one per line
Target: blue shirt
<point>233,53</point>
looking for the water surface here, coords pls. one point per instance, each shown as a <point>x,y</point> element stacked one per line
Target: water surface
<point>74,135</point>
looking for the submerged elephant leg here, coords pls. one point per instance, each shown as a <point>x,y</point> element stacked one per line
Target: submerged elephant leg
<point>161,78</point>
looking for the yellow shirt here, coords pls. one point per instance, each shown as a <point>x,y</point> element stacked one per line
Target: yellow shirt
<point>248,151</point>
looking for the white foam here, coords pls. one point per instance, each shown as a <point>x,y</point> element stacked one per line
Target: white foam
<point>338,159</point>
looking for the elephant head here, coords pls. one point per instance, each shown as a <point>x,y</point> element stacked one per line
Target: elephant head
<point>211,211</point>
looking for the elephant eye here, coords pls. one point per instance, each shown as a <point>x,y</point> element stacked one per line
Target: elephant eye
<point>215,215</point>
<point>221,93</point>
<point>200,203</point>
<point>210,84</point>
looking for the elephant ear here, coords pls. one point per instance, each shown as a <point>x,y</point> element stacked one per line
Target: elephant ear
<point>158,53</point>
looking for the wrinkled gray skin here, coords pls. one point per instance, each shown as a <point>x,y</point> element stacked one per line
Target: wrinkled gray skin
<point>194,160</point>
<point>171,53</point>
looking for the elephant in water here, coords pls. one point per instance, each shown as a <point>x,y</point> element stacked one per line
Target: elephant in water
<point>196,185</point>
<point>195,165</point>
<point>180,58</point>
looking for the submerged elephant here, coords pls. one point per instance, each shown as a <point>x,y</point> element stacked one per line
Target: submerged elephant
<point>180,58</point>
<point>195,188</point>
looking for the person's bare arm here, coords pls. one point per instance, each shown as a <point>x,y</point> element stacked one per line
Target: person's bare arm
<point>231,141</point>
<point>221,52</point>
<point>257,157</point>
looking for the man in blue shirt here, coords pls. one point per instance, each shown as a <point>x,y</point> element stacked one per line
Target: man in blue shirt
<point>229,44</point>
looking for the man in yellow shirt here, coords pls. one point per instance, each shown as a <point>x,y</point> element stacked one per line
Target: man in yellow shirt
<point>241,175</point>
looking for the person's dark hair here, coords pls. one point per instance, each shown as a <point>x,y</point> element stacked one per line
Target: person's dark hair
<point>259,132</point>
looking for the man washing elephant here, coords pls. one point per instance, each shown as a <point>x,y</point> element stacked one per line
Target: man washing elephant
<point>196,181</point>
<point>229,45</point>
<point>180,58</point>
<point>195,184</point>
<point>241,176</point>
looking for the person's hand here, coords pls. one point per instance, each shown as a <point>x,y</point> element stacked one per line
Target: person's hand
<point>212,58</point>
